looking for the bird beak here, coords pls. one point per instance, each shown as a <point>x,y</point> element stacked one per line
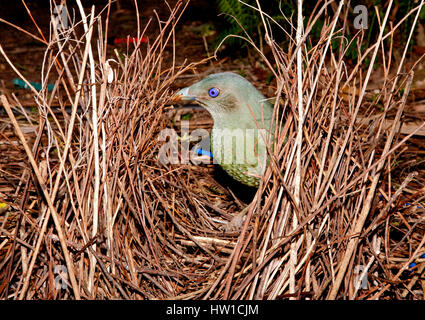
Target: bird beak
<point>183,95</point>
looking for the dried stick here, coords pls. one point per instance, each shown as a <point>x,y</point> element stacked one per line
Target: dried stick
<point>52,208</point>
<point>95,225</point>
<point>298,144</point>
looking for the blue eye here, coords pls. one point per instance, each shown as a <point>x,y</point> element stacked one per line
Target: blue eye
<point>213,92</point>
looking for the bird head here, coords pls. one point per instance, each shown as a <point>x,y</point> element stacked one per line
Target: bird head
<point>227,96</point>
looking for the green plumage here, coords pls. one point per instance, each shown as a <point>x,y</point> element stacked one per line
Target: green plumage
<point>242,117</point>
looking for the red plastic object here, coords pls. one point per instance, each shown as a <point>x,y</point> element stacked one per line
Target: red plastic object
<point>129,40</point>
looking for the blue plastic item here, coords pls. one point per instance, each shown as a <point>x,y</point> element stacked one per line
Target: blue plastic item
<point>37,85</point>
